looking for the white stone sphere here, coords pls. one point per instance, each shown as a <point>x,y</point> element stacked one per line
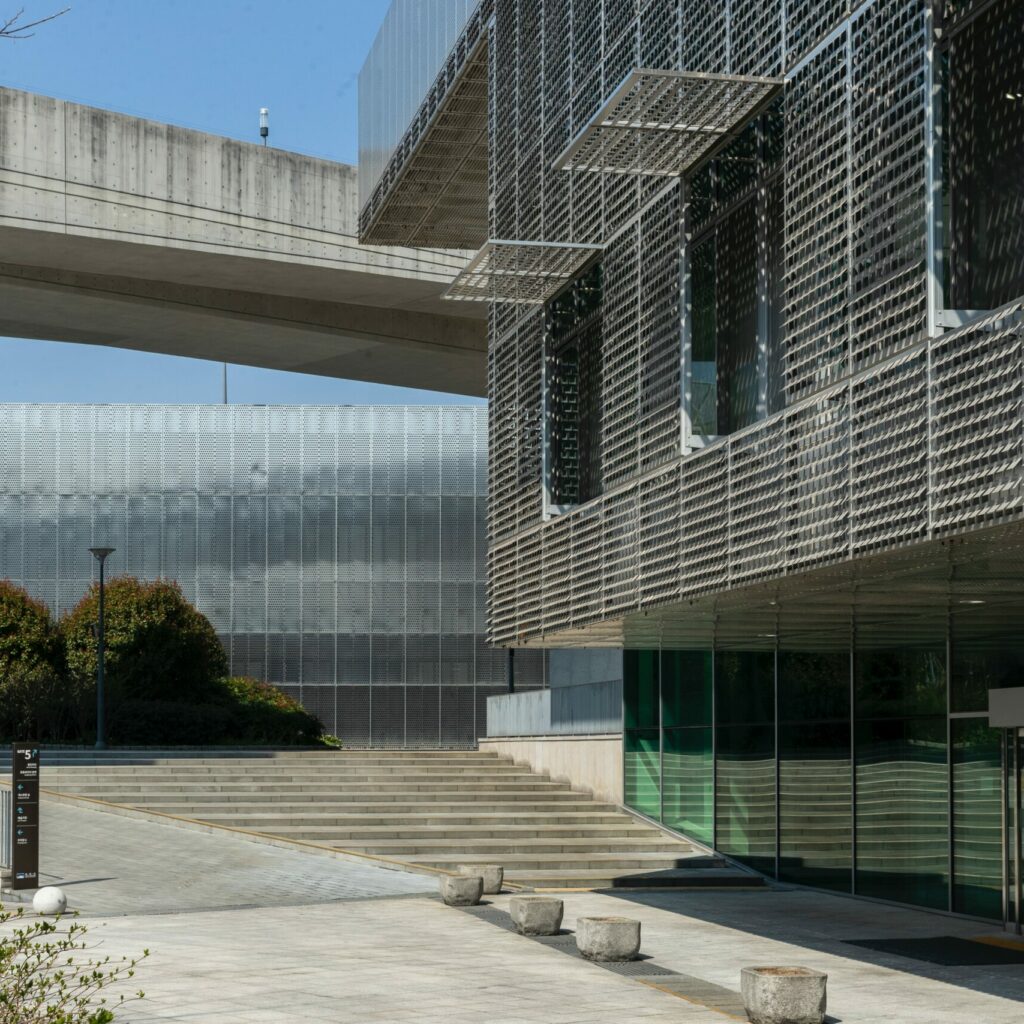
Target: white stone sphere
<point>49,901</point>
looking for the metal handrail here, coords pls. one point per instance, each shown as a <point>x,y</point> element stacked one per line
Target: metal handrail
<point>6,810</point>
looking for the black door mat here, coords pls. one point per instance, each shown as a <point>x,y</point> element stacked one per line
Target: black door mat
<point>945,950</point>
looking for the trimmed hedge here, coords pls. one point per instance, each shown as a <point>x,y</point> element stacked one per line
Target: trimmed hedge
<point>158,647</point>
<point>267,715</point>
<point>29,638</point>
<point>165,675</point>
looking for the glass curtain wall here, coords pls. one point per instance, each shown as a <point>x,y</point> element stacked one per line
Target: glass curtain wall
<point>873,772</point>
<point>815,781</point>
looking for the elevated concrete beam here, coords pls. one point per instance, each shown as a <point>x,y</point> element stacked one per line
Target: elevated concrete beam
<point>119,231</point>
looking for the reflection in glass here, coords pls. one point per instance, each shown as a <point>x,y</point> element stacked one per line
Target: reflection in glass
<point>642,771</point>
<point>902,795</point>
<point>745,744</point>
<point>689,782</point>
<point>815,816</point>
<point>745,794</point>
<point>815,770</point>
<point>640,689</point>
<point>977,821</point>
<point>905,681</point>
<point>686,679</point>
<point>978,668</point>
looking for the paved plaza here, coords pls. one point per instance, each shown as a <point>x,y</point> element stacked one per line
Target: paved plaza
<point>265,934</point>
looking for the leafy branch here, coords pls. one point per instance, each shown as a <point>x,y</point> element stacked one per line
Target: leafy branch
<point>48,974</point>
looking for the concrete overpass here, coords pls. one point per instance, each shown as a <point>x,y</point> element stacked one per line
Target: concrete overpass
<point>119,231</point>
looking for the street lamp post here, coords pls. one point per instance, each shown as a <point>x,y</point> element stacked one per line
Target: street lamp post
<point>100,554</point>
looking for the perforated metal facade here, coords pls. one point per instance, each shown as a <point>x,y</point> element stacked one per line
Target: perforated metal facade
<point>338,551</point>
<point>850,434</point>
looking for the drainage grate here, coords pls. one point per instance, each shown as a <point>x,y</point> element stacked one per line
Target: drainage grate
<point>638,969</point>
<point>563,939</point>
<point>646,972</point>
<point>492,916</point>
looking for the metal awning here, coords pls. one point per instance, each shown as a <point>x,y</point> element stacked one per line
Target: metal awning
<point>525,272</point>
<point>666,122</point>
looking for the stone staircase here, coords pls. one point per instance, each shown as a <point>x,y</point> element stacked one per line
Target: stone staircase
<point>433,808</point>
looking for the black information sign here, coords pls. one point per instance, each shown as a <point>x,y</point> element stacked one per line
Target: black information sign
<point>25,817</point>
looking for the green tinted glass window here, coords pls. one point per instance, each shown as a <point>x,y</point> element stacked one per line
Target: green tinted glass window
<point>898,683</point>
<point>744,687</point>
<point>685,688</point>
<point>977,820</point>
<point>814,686</point>
<point>978,668</point>
<point>640,689</point>
<point>815,813</point>
<point>902,794</point>
<point>745,794</point>
<point>642,771</point>
<point>688,782</point>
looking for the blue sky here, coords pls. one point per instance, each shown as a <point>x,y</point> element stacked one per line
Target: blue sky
<point>207,64</point>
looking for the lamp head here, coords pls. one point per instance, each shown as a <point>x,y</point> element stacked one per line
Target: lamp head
<point>101,553</point>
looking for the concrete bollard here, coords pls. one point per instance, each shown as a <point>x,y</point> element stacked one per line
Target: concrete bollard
<point>611,939</point>
<point>49,901</point>
<point>462,890</point>
<point>492,874</point>
<point>783,995</point>
<point>536,915</point>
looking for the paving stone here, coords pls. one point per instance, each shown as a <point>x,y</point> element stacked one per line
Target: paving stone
<point>108,864</point>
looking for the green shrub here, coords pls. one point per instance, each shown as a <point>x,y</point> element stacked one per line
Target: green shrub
<point>171,723</point>
<point>28,636</point>
<point>40,704</point>
<point>265,714</point>
<point>158,647</point>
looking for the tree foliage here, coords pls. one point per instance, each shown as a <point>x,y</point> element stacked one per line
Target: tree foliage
<point>28,636</point>
<point>165,675</point>
<point>158,647</point>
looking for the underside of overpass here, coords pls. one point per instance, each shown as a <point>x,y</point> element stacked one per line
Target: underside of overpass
<point>119,231</point>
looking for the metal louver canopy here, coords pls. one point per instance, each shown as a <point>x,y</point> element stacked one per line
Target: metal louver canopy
<point>665,122</point>
<point>524,272</point>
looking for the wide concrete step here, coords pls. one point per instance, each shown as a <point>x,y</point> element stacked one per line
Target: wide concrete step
<point>591,824</point>
<point>148,776</point>
<point>497,775</point>
<point>146,756</point>
<point>389,801</point>
<point>442,843</point>
<point>475,785</point>
<point>598,837</point>
<point>440,813</point>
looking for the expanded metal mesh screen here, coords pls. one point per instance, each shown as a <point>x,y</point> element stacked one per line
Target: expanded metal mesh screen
<point>831,244</point>
<point>338,551</point>
<point>847,472</point>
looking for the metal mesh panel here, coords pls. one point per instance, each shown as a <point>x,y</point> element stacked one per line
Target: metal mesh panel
<point>978,405</point>
<point>521,272</point>
<point>817,452</point>
<point>817,222</point>
<point>665,122</point>
<point>889,430</point>
<point>886,183</point>
<point>756,502</point>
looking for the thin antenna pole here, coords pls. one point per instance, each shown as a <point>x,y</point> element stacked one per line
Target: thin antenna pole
<point>225,381</point>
